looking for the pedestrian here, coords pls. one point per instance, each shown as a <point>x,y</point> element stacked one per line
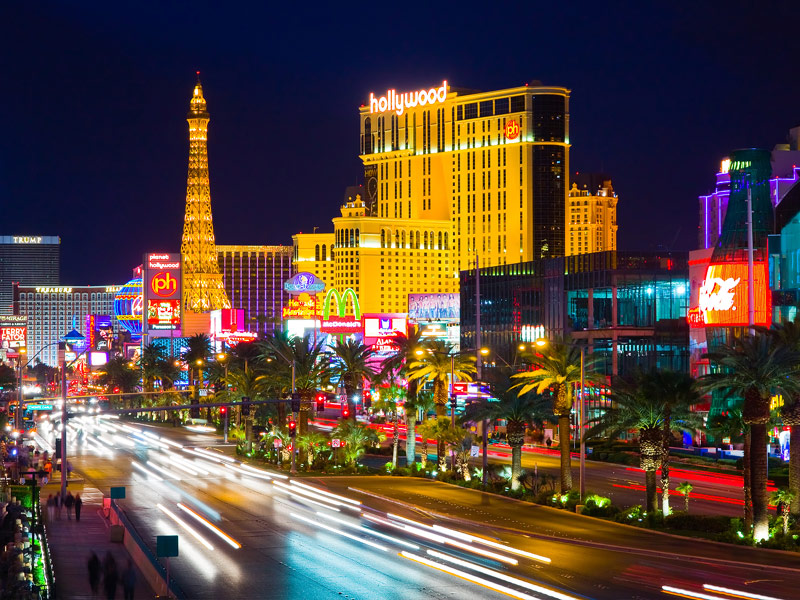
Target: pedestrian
<point>59,505</point>
<point>129,581</point>
<point>110,576</point>
<point>51,508</point>
<point>78,505</point>
<point>69,502</point>
<point>94,573</point>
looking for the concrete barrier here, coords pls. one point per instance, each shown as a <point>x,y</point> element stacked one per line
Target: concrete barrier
<point>145,559</point>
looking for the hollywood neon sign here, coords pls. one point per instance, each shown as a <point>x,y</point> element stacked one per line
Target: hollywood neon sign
<point>400,102</point>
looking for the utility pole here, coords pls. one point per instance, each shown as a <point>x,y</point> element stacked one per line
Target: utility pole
<point>62,354</point>
<point>582,470</point>
<point>751,292</point>
<point>485,423</point>
<point>293,470</point>
<point>452,406</point>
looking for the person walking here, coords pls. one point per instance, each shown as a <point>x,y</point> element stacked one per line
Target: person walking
<point>69,502</point>
<point>129,580</point>
<point>78,506</point>
<point>94,574</point>
<point>59,505</point>
<point>51,508</point>
<point>110,576</point>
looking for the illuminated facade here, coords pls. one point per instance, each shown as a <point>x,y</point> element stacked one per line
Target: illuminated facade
<point>381,259</point>
<point>27,260</point>
<point>253,277</point>
<point>492,164</point>
<point>203,290</point>
<point>54,311</point>
<point>591,215</point>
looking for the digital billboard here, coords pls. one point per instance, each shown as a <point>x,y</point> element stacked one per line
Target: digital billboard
<point>381,330</point>
<point>13,331</point>
<point>434,307</point>
<point>163,314</point>
<point>162,290</point>
<point>723,296</point>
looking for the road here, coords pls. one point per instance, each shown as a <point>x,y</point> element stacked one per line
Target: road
<point>286,552</point>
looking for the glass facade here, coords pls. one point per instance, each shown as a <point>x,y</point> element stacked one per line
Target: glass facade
<point>630,308</point>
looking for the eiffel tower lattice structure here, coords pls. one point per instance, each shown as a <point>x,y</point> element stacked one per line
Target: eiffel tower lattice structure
<point>203,289</point>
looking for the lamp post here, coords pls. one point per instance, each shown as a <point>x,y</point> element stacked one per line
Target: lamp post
<point>71,338</point>
<point>18,417</point>
<point>541,343</point>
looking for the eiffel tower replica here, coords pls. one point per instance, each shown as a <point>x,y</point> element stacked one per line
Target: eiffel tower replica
<point>203,290</point>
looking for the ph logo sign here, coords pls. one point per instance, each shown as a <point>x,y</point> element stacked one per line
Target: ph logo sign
<point>512,130</point>
<point>163,284</point>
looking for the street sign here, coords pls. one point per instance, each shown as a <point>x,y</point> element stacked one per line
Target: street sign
<point>474,451</point>
<point>117,493</point>
<point>203,393</point>
<point>40,407</point>
<point>460,388</point>
<point>336,443</point>
<point>166,545</point>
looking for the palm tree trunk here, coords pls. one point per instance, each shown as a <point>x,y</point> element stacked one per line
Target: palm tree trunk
<point>758,478</point>
<point>424,453</point>
<point>650,491</point>
<point>516,465</point>
<point>411,438</point>
<point>566,457</point>
<point>665,485</point>
<point>351,408</point>
<point>747,483</point>
<point>794,467</point>
<point>395,441</point>
<point>440,397</point>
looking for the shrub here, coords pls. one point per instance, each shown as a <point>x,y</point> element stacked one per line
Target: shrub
<point>705,523</point>
<point>599,506</point>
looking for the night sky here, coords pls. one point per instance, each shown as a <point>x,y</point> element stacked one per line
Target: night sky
<point>93,99</point>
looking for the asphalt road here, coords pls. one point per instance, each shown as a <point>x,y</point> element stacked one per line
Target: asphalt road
<point>286,553</point>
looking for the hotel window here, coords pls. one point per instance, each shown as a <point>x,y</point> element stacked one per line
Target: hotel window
<point>517,104</point>
<point>471,110</point>
<point>501,106</point>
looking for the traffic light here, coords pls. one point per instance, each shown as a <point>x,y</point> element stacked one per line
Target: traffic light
<point>367,398</point>
<point>320,401</point>
<point>292,428</point>
<point>295,402</point>
<point>345,410</point>
<point>223,410</point>
<point>245,406</point>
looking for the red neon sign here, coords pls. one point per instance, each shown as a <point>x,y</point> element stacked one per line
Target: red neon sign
<point>512,130</point>
<point>163,284</point>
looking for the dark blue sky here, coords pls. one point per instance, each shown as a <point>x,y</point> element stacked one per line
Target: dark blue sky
<point>93,98</point>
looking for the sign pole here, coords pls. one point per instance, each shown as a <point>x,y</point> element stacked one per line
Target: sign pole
<point>64,475</point>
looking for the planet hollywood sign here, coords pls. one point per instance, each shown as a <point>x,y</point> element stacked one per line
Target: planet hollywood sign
<point>400,102</point>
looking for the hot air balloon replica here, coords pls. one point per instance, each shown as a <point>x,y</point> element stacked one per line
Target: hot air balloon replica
<point>128,307</point>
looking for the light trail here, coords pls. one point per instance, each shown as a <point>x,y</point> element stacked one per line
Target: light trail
<point>326,493</point>
<point>241,471</point>
<point>298,495</point>
<point>185,525</point>
<point>471,538</point>
<point>467,576</point>
<point>342,533</point>
<point>369,531</point>
<point>502,576</point>
<point>736,593</point>
<point>216,455</point>
<point>161,469</point>
<point>668,589</point>
<point>177,465</point>
<point>146,471</point>
<point>232,542</point>
<point>262,472</point>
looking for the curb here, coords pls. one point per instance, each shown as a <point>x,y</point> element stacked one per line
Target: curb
<point>599,545</point>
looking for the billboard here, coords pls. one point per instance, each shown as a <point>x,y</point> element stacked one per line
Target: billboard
<point>381,330</point>
<point>13,331</point>
<point>302,307</point>
<point>98,332</point>
<point>303,283</point>
<point>434,307</point>
<point>345,325</point>
<point>163,314</point>
<point>162,290</point>
<point>723,296</point>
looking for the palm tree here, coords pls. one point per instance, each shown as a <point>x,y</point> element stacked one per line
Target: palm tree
<point>685,488</point>
<point>754,368</point>
<point>278,353</point>
<point>245,383</point>
<point>119,377</point>
<point>634,405</point>
<point>788,334</point>
<point>151,362</point>
<point>198,348</point>
<point>783,499</point>
<point>518,411</point>
<point>434,363</point>
<point>313,442</point>
<point>422,402</point>
<point>559,370</point>
<point>356,437</point>
<point>351,365</point>
<point>731,424</point>
<point>388,402</point>
<point>677,392</point>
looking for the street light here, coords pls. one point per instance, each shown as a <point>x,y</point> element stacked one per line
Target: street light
<point>541,343</point>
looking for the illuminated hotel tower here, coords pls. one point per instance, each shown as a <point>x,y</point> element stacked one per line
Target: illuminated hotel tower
<point>203,289</point>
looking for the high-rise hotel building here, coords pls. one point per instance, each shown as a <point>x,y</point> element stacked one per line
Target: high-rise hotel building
<point>27,260</point>
<point>591,215</point>
<point>448,174</point>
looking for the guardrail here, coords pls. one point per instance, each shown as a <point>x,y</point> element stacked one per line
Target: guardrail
<point>174,590</point>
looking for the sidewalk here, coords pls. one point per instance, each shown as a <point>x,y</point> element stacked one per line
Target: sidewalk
<point>71,544</point>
